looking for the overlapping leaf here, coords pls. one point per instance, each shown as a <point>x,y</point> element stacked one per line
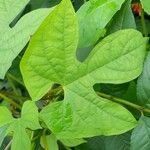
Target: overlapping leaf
<point>117,142</point>
<point>93,16</point>
<point>51,58</point>
<point>123,19</point>
<point>5,120</point>
<point>140,138</point>
<point>29,119</point>
<point>143,88</point>
<point>13,40</point>
<point>146,6</point>
<point>72,142</point>
<point>49,142</point>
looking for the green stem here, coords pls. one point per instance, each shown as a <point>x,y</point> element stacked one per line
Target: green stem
<point>7,99</point>
<point>15,79</point>
<point>125,102</point>
<point>14,89</point>
<point>145,32</point>
<point>84,1</point>
<point>12,85</point>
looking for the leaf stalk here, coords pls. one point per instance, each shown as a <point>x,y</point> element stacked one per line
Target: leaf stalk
<point>125,102</point>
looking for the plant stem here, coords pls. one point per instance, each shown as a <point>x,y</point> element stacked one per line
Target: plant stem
<point>14,88</point>
<point>84,1</point>
<point>15,79</point>
<point>145,32</point>
<point>12,85</point>
<point>125,102</point>
<point>7,99</point>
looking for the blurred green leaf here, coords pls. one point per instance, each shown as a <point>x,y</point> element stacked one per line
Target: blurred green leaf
<point>123,19</point>
<point>146,5</point>
<point>140,139</point>
<point>72,142</point>
<point>143,84</point>
<point>118,142</point>
<point>49,142</point>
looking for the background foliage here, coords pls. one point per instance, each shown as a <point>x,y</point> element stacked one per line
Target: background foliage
<point>91,92</point>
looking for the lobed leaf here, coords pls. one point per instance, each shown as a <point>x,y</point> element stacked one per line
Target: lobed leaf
<point>29,115</point>
<point>29,119</point>
<point>21,139</point>
<point>61,38</point>
<point>50,58</point>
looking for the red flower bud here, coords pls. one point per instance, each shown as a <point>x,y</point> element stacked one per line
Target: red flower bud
<point>136,7</point>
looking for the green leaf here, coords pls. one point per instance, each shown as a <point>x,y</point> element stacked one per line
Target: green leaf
<point>21,139</point>
<point>119,142</point>
<point>49,142</point>
<point>146,6</point>
<point>29,119</point>
<point>67,20</point>
<point>3,133</point>
<point>9,10</point>
<point>13,40</point>
<point>140,138</point>
<point>123,19</point>
<point>5,117</point>
<point>72,142</point>
<point>29,115</point>
<point>93,17</point>
<point>43,3</point>
<point>51,58</point>
<point>143,88</point>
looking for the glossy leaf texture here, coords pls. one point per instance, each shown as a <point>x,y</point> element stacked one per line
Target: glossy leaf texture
<point>140,135</point>
<point>93,17</point>
<point>13,39</point>
<point>29,119</point>
<point>51,58</point>
<point>146,6</point>
<point>143,88</point>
